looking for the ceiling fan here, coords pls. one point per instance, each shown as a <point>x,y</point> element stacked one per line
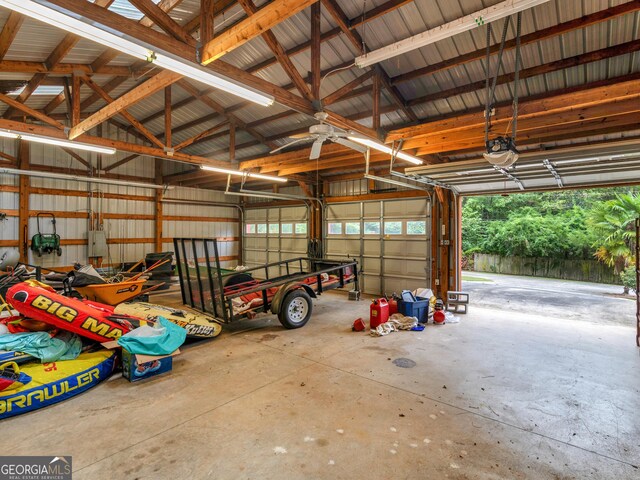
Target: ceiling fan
<point>320,133</point>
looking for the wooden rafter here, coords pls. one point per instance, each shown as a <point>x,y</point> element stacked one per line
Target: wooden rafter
<point>315,41</point>
<point>204,98</point>
<point>279,52</point>
<point>30,111</point>
<point>9,32</point>
<point>130,118</point>
<point>55,57</point>
<point>167,116</point>
<point>77,157</point>
<point>604,91</point>
<point>261,21</point>
<point>120,145</point>
<point>207,16</point>
<point>139,93</point>
<point>343,22</point>
<point>162,19</point>
<point>119,163</point>
<point>200,136</point>
<point>345,89</point>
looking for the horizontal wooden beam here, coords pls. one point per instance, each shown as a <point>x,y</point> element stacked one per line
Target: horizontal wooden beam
<point>107,142</point>
<point>628,87</point>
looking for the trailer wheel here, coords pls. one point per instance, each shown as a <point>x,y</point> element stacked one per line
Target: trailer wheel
<point>296,309</point>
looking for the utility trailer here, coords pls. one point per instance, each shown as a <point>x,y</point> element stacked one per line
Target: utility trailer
<point>231,295</point>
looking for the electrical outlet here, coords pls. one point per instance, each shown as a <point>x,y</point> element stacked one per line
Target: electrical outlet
<point>437,281</point>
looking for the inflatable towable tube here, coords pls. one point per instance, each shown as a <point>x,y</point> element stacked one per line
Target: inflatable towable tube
<point>54,382</point>
<point>40,302</point>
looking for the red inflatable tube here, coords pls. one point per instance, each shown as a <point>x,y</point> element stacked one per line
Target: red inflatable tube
<point>91,320</point>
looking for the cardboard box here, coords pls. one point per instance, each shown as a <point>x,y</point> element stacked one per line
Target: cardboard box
<point>137,367</point>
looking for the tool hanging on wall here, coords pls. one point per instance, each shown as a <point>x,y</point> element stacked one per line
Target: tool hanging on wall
<point>501,150</point>
<point>46,242</point>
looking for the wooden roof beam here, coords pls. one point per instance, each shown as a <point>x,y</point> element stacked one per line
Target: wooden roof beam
<point>135,95</point>
<point>108,142</point>
<point>261,21</point>
<point>279,52</point>
<point>9,32</point>
<point>620,88</point>
<point>162,19</point>
<point>130,118</point>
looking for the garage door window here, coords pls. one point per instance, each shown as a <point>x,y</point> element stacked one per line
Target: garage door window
<point>393,228</point>
<point>287,228</point>
<point>416,228</point>
<point>372,228</point>
<point>250,228</point>
<point>301,228</point>
<point>352,228</point>
<point>262,228</point>
<point>274,228</point>
<point>335,228</point>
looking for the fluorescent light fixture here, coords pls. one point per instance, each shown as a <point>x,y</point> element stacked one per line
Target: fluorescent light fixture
<point>6,134</point>
<point>248,174</point>
<point>385,149</point>
<point>462,24</point>
<point>41,90</point>
<point>58,17</point>
<point>205,76</point>
<point>64,176</point>
<point>59,142</point>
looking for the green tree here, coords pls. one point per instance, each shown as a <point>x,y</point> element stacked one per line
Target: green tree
<point>613,223</point>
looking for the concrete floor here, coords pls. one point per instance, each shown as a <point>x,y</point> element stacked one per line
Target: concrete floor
<point>497,396</point>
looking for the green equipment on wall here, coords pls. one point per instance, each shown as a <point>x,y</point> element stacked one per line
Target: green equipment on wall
<point>46,242</point>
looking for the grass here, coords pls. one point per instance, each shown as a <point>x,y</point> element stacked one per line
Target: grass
<point>467,278</point>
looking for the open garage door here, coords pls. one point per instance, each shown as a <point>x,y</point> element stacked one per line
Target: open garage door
<point>274,234</point>
<point>390,239</point>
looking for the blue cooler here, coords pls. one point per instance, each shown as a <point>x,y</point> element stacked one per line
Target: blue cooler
<point>412,306</point>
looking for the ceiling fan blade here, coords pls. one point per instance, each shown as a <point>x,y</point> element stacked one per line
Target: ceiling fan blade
<point>315,149</point>
<point>348,143</point>
<point>288,145</point>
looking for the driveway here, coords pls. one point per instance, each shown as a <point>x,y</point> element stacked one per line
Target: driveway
<point>592,302</point>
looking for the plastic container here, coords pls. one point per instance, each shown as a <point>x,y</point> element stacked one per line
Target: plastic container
<point>410,306</point>
<point>378,312</point>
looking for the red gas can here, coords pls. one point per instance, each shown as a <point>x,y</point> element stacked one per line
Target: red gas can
<point>379,312</point>
<point>393,306</point>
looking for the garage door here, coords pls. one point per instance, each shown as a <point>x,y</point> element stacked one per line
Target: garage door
<point>390,239</point>
<point>275,234</point>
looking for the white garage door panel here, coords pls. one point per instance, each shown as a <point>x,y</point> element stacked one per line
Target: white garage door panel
<point>274,247</point>
<point>371,265</point>
<point>372,284</point>
<point>344,210</point>
<point>372,210</point>
<point>408,248</point>
<point>404,208</point>
<point>392,262</point>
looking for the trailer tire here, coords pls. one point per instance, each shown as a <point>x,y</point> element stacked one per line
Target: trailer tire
<point>296,309</point>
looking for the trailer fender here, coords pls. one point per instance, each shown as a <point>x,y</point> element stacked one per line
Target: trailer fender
<point>286,288</point>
